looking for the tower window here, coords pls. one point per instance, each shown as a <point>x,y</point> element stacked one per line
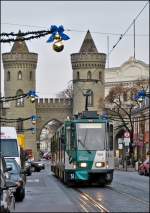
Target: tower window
<point>30,75</point>
<point>89,75</point>
<point>8,76</point>
<point>100,76</point>
<point>20,101</point>
<point>19,75</point>
<point>78,75</point>
<point>90,99</point>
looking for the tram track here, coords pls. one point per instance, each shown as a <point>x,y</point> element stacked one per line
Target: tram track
<point>92,201</point>
<point>127,194</point>
<point>99,206</point>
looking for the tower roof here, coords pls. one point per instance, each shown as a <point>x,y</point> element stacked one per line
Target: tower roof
<point>19,46</point>
<point>88,44</point>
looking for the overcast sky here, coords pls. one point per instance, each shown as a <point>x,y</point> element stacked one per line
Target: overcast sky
<point>109,17</point>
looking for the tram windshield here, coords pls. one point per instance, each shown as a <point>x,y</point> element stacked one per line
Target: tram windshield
<point>90,136</point>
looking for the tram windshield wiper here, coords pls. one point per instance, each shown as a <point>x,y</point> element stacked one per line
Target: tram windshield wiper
<point>84,146</point>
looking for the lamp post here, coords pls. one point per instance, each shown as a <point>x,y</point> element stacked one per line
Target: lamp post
<point>87,94</point>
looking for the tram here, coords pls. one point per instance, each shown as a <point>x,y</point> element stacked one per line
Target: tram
<point>82,150</point>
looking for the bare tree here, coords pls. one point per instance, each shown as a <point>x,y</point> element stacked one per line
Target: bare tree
<point>66,93</point>
<point>119,105</point>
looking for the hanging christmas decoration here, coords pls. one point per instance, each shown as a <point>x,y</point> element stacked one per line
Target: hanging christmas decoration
<point>57,36</point>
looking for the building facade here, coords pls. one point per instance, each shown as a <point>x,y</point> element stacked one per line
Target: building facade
<point>128,74</point>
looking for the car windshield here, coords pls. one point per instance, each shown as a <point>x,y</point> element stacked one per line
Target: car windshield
<point>90,136</point>
<point>13,164</point>
<point>9,147</point>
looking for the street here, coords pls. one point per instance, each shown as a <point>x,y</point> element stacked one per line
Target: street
<point>129,192</point>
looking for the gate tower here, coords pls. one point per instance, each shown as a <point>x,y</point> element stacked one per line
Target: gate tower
<point>20,77</point>
<point>88,74</point>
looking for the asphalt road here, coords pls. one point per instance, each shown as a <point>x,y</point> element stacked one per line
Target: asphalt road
<point>129,192</point>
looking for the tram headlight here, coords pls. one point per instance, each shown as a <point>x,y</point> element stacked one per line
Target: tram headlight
<point>83,164</point>
<point>99,164</point>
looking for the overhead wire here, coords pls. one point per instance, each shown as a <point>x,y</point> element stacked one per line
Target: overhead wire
<point>122,35</point>
<point>75,30</point>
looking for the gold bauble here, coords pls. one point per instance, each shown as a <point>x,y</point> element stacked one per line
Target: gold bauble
<point>58,46</point>
<point>33,122</point>
<point>32,99</point>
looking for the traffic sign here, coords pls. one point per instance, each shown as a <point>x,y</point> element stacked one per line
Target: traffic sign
<point>126,135</point>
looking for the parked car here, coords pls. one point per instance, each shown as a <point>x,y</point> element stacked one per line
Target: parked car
<point>144,168</point>
<point>18,176</point>
<point>37,166</point>
<point>7,199</point>
<point>28,169</point>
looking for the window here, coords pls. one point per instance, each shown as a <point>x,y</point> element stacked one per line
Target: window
<point>68,137</point>
<point>100,76</point>
<point>90,99</point>
<point>30,76</point>
<point>78,75</point>
<point>8,76</point>
<point>111,137</point>
<point>19,75</point>
<point>89,75</point>
<point>20,101</point>
<point>90,132</point>
<point>9,147</point>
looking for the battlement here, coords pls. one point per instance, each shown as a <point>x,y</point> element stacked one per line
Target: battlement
<point>11,57</point>
<point>53,102</point>
<point>88,57</point>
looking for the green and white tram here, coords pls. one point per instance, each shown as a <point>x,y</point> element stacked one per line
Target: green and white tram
<point>82,150</point>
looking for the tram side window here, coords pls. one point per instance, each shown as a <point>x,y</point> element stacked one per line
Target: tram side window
<point>111,137</point>
<point>68,136</point>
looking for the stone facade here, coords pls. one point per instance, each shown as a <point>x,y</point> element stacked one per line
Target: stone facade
<point>88,73</point>
<point>128,73</point>
<point>19,77</point>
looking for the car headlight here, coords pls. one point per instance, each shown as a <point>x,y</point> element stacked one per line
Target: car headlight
<point>40,164</point>
<point>99,164</point>
<point>83,164</point>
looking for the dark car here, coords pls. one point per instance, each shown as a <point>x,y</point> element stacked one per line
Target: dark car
<point>144,168</point>
<point>18,176</point>
<point>7,199</point>
<point>37,166</point>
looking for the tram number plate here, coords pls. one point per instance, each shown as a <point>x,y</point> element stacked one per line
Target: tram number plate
<point>72,176</point>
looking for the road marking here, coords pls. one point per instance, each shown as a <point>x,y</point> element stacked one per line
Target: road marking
<point>34,180</point>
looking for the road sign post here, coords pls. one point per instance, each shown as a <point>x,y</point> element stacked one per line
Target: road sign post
<point>126,144</point>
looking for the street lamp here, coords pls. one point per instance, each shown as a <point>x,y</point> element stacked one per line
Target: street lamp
<point>87,94</point>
